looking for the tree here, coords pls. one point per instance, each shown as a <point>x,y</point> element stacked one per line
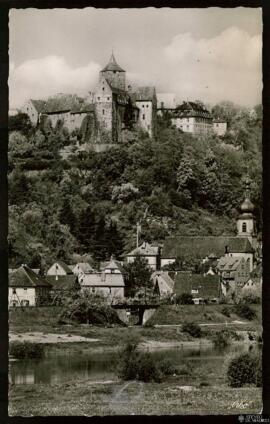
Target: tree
<point>138,275</point>
<point>67,216</point>
<point>20,122</point>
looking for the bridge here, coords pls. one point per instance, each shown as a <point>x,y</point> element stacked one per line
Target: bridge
<point>135,313</point>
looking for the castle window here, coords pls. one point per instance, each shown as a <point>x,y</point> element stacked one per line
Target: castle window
<point>143,117</point>
<point>244,227</point>
<point>108,98</point>
<point>142,105</point>
<point>103,88</point>
<point>146,105</point>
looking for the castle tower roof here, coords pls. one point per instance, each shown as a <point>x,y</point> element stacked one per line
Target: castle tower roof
<point>112,65</point>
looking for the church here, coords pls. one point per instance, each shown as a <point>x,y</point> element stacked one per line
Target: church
<point>105,113</point>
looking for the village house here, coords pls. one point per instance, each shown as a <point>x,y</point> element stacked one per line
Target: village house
<point>253,285</point>
<point>202,248</point>
<point>203,288</point>
<point>148,252</point>
<point>59,268</point>
<point>110,285</point>
<point>163,283</point>
<point>193,118</point>
<point>34,109</point>
<point>233,272</point>
<point>26,288</point>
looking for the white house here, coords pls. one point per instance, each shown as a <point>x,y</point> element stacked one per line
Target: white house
<point>148,252</point>
<point>26,288</point>
<point>109,284</point>
<point>219,127</point>
<point>59,268</point>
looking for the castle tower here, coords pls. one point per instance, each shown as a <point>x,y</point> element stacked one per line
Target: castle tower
<point>246,220</point>
<point>114,74</point>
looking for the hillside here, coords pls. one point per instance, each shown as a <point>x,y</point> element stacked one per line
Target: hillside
<point>90,202</point>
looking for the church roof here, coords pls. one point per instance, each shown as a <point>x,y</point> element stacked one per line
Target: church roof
<point>66,102</point>
<point>200,247</point>
<point>112,65</point>
<point>204,285</point>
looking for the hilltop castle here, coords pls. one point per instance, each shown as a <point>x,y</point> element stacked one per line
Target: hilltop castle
<point>104,113</point>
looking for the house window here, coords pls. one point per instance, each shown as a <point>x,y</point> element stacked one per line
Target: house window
<point>142,105</point>
<point>14,291</point>
<point>110,290</point>
<point>103,111</point>
<point>25,289</point>
<point>103,88</point>
<point>143,117</point>
<point>108,98</point>
<point>244,227</point>
<point>147,105</point>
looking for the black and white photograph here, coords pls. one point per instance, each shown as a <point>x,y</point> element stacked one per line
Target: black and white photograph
<point>135,211</point>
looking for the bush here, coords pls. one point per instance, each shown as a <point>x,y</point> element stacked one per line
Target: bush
<point>251,299</point>
<point>245,369</point>
<point>244,311</point>
<point>184,299</point>
<point>141,366</point>
<point>191,328</point>
<point>221,339</point>
<point>226,310</point>
<point>22,350</point>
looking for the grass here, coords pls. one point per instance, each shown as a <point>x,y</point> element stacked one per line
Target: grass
<point>168,398</point>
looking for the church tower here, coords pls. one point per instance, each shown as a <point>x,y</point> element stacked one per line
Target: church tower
<point>246,220</point>
<point>114,74</point>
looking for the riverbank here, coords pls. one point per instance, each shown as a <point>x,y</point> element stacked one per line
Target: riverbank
<point>127,398</point>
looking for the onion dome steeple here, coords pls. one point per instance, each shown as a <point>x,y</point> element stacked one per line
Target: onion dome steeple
<point>247,206</point>
<point>246,221</point>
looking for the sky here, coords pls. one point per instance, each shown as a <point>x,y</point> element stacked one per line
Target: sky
<point>210,54</point>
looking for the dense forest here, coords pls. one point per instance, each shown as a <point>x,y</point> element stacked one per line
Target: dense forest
<point>89,203</point>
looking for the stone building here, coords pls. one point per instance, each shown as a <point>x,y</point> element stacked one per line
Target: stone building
<point>193,118</point>
<point>219,127</point>
<point>103,113</point>
<point>166,102</point>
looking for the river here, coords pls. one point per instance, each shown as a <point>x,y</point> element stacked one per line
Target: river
<point>58,368</point>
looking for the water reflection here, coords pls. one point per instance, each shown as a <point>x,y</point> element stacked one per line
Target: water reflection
<point>97,367</point>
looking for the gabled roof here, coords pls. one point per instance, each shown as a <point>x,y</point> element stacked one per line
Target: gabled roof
<point>66,103</point>
<point>25,277</point>
<point>192,109</point>
<point>38,104</point>
<point>112,65</point>
<point>206,285</point>
<point>61,282</point>
<point>112,264</point>
<point>101,279</point>
<point>200,247</point>
<point>229,263</point>
<point>163,279</point>
<point>65,267</point>
<point>84,266</point>
<point>144,94</point>
<point>144,249</point>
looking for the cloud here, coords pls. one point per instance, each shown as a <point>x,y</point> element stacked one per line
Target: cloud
<point>39,78</point>
<point>225,66</point>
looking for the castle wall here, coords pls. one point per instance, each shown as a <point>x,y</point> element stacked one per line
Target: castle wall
<point>145,116</point>
<point>31,111</point>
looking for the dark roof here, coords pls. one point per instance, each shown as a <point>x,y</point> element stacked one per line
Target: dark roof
<point>25,277</point>
<point>192,109</point>
<point>112,65</point>
<point>63,282</point>
<point>145,249</point>
<point>207,286</point>
<point>200,247</point>
<point>66,102</point>
<point>39,104</point>
<point>229,263</point>
<point>144,94</point>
